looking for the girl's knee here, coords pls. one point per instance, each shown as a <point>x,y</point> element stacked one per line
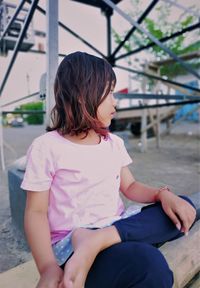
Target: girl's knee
<point>157,271</point>
<point>157,279</point>
<point>159,274</point>
<point>186,198</point>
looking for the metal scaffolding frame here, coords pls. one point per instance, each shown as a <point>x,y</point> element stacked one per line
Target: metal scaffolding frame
<point>20,6</point>
<point>140,20</point>
<point>157,78</point>
<point>164,39</point>
<point>41,10</point>
<point>20,39</point>
<point>182,7</point>
<point>111,56</point>
<point>107,7</point>
<point>150,36</point>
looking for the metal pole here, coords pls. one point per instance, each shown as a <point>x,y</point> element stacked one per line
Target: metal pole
<point>185,9</point>
<point>140,20</point>
<point>41,10</point>
<point>143,147</point>
<point>157,113</point>
<point>109,33</point>
<point>158,105</point>
<point>20,99</point>
<point>1,142</point>
<point>44,52</point>
<point>168,122</point>
<point>120,96</point>
<point>164,39</point>
<point>157,78</point>
<point>154,39</point>
<point>52,54</point>
<point>12,19</point>
<point>17,46</point>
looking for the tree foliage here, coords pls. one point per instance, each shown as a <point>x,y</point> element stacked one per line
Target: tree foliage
<point>160,26</point>
<point>34,119</point>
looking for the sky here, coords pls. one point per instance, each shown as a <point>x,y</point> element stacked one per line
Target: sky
<point>85,20</point>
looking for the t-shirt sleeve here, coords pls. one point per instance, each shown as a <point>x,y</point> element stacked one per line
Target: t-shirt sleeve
<point>39,168</point>
<point>124,156</point>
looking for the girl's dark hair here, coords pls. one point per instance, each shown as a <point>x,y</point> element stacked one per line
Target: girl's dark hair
<point>82,83</point>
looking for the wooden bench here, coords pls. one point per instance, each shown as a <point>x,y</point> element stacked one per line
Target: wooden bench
<point>183,256</point>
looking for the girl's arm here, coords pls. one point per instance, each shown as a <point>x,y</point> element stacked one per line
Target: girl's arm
<point>179,210</point>
<point>134,190</point>
<point>38,236</point>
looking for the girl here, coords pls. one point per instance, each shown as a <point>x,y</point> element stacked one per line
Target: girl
<point>77,227</point>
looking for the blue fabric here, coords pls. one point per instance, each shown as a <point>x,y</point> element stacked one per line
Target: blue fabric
<point>151,226</point>
<point>63,249</point>
<point>136,262</point>
<point>130,265</point>
<point>185,109</point>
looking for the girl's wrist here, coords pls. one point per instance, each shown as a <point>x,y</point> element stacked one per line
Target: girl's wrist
<point>48,266</point>
<point>161,190</point>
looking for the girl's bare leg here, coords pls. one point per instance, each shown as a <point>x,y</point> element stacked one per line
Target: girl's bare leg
<point>87,244</point>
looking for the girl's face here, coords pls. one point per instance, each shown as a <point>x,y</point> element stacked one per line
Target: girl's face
<point>106,110</point>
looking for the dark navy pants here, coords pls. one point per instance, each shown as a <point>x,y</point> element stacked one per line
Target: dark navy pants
<point>136,262</point>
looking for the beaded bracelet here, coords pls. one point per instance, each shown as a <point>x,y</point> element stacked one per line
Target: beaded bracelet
<point>156,199</point>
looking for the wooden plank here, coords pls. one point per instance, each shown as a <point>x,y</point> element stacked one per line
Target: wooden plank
<point>195,283</point>
<point>183,256</point>
<point>22,276</point>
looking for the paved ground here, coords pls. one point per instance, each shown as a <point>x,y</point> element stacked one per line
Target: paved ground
<point>176,163</point>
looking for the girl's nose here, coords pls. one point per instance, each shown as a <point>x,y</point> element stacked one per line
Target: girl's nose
<point>114,100</point>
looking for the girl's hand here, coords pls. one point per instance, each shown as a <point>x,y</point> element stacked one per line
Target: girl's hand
<point>51,277</point>
<point>179,210</point>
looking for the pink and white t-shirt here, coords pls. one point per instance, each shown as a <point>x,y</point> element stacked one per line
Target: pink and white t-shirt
<point>83,180</point>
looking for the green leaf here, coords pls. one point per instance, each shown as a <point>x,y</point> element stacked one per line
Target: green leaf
<point>35,119</point>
